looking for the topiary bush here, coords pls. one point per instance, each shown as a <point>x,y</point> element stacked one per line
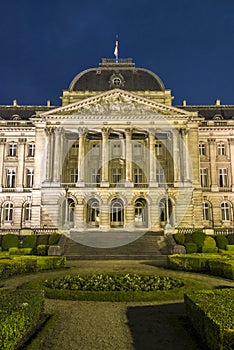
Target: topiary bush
<point>179,238</point>
<point>209,245</point>
<point>190,247</point>
<point>198,237</point>
<point>188,238</point>
<point>29,241</point>
<point>54,238</point>
<point>221,242</point>
<point>230,248</point>
<point>42,239</point>
<point>42,249</point>
<point>9,240</point>
<point>230,238</point>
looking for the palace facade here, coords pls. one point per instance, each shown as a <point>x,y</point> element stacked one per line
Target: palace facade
<point>117,155</point>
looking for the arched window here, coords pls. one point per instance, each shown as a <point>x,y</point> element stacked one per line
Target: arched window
<point>164,211</point>
<point>27,215</point>
<point>8,211</point>
<point>117,213</point>
<point>68,213</point>
<point>225,211</point>
<point>140,212</point>
<point>71,211</point>
<point>92,214</point>
<point>206,211</point>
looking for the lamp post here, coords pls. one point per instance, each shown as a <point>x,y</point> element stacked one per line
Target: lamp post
<point>66,223</point>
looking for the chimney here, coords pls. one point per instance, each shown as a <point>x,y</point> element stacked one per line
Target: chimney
<point>15,103</point>
<point>184,103</point>
<point>48,103</point>
<point>217,102</point>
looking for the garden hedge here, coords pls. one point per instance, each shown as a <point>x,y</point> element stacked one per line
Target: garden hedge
<point>221,241</point>
<point>54,238</point>
<point>211,314</point>
<point>9,240</point>
<point>198,237</point>
<point>20,310</point>
<point>43,239</point>
<point>29,241</point>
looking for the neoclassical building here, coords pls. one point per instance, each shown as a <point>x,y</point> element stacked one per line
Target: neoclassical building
<point>117,155</point>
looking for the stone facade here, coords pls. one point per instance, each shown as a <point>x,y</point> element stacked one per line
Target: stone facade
<point>113,158</point>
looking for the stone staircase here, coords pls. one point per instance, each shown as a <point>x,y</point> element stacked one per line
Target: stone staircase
<point>150,246</point>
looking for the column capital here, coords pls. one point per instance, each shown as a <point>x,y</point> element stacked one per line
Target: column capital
<point>2,141</point>
<point>211,141</point>
<point>105,131</point>
<point>82,131</point>
<point>22,141</point>
<point>128,132</point>
<point>231,141</point>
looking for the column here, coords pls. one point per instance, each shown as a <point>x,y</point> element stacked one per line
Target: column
<point>231,152</point>
<point>50,153</point>
<point>152,160</point>
<point>176,157</point>
<point>81,156</point>
<point>128,158</point>
<point>105,158</point>
<point>2,152</point>
<point>39,159</point>
<point>21,169</point>
<point>186,161</point>
<point>213,169</point>
<point>193,141</point>
<point>57,157</point>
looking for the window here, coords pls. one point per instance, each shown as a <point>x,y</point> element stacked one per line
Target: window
<point>223,179</point>
<point>10,178</point>
<point>202,149</point>
<point>73,175</point>
<point>95,149</point>
<point>31,150</point>
<point>158,149</point>
<point>12,149</point>
<point>116,175</point>
<point>203,177</point>
<point>221,149</point>
<point>8,212</point>
<point>28,211</point>
<point>225,211</point>
<point>160,178</point>
<point>137,149</point>
<point>117,149</point>
<point>206,211</point>
<point>138,176</point>
<point>117,213</point>
<point>93,212</point>
<point>140,212</point>
<point>74,149</point>
<point>95,175</point>
<point>29,178</point>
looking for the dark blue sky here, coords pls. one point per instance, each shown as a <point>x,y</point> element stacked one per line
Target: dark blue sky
<point>45,43</point>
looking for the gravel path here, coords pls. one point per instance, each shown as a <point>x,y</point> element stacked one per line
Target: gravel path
<point>90,325</point>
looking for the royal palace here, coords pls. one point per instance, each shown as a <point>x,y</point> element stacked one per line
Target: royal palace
<point>117,155</point>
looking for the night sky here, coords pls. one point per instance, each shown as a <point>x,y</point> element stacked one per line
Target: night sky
<point>45,43</point>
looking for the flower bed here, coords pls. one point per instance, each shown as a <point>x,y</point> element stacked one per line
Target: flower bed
<point>211,314</point>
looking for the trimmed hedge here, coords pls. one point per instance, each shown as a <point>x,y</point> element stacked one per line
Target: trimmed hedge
<point>230,248</point>
<point>198,237</point>
<point>20,251</point>
<point>20,310</point>
<point>190,247</point>
<point>179,238</point>
<point>29,241</point>
<point>230,238</point>
<point>42,249</point>
<point>9,240</point>
<point>54,238</point>
<point>42,239</point>
<point>211,314</point>
<point>209,245</point>
<point>221,241</point>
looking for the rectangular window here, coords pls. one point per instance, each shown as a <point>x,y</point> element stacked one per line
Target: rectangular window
<point>138,176</point>
<point>29,178</point>
<point>202,149</point>
<point>137,149</point>
<point>223,177</point>
<point>8,212</point>
<point>95,175</point>
<point>12,149</point>
<point>160,178</point>
<point>10,178</point>
<point>96,149</point>
<point>204,177</point>
<point>31,150</point>
<point>116,149</point>
<point>116,175</point>
<point>28,212</point>
<point>74,149</point>
<point>158,149</point>
<point>221,149</point>
<point>73,175</point>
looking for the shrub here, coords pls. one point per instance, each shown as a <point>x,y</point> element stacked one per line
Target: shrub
<point>230,238</point>
<point>188,238</point>
<point>230,248</point>
<point>9,240</point>
<point>179,238</point>
<point>29,241</point>
<point>190,248</point>
<point>198,237</point>
<point>221,242</point>
<point>42,249</point>
<point>209,245</point>
<point>13,250</point>
<point>54,238</point>
<point>20,310</point>
<point>211,314</point>
<point>42,239</point>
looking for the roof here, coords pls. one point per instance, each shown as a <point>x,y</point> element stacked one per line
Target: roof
<point>21,112</point>
<point>128,77</point>
<point>224,112</point>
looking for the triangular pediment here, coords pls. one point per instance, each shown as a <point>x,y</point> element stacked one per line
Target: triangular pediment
<point>118,103</point>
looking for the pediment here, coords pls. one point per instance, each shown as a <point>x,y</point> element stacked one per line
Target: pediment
<point>115,103</point>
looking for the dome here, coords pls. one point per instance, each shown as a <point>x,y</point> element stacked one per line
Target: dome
<point>123,75</point>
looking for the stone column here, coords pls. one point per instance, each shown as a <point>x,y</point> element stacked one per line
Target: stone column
<point>213,170</point>
<point>104,217</point>
<point>176,157</point>
<point>50,153</point>
<point>128,158</point>
<point>39,159</point>
<point>2,152</point>
<point>186,160</point>
<point>152,160</point>
<point>21,169</point>
<point>81,156</point>
<point>105,158</point>
<point>231,152</point>
<point>57,157</point>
